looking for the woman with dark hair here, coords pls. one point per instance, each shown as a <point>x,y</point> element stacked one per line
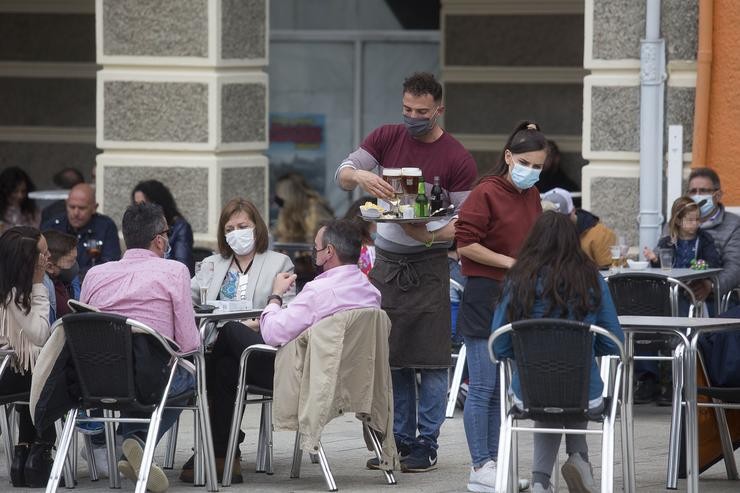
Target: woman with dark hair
<point>16,209</point>
<point>243,269</point>
<point>180,232</point>
<point>493,223</point>
<point>367,252</point>
<point>24,327</point>
<point>554,278</point>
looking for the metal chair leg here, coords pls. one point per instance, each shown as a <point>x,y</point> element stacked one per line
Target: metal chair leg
<point>728,451</point>
<point>171,448</point>
<point>148,456</point>
<point>7,439</point>
<point>60,460</point>
<point>378,448</point>
<point>268,437</point>
<point>295,468</point>
<point>261,442</point>
<point>73,456</point>
<point>92,466</point>
<point>236,421</point>
<point>110,441</point>
<point>674,439</point>
<point>69,479</point>
<point>456,380</point>
<point>204,441</point>
<point>330,483</point>
<point>199,456</point>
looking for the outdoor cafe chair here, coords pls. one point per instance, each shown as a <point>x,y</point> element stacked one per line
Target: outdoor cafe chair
<point>264,397</point>
<point>312,388</point>
<point>459,367</point>
<point>102,355</point>
<point>553,358</point>
<point>720,398</point>
<point>7,427</point>
<point>649,294</point>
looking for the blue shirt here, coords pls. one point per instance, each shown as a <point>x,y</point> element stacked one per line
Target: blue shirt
<point>605,316</point>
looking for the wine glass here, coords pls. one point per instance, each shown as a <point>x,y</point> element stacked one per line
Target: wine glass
<point>615,251</point>
<point>623,251</point>
<point>203,274</point>
<point>396,200</point>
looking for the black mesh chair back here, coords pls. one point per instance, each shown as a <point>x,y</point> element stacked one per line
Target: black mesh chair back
<point>644,294</point>
<point>553,358</point>
<point>101,348</point>
<point>648,294</point>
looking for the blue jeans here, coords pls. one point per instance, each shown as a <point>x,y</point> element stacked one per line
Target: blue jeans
<point>182,381</point>
<point>481,415</point>
<point>431,406</point>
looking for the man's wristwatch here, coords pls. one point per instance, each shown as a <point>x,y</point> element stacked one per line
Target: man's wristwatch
<point>275,297</point>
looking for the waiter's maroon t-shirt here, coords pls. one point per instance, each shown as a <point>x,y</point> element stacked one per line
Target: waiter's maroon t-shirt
<point>393,147</point>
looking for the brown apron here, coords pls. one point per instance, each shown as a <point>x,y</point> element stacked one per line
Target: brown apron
<point>415,293</point>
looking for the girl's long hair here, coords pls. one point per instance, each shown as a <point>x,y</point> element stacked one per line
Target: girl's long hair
<point>552,266</point>
<point>19,255</point>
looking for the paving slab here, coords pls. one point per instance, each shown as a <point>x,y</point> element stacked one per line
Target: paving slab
<point>344,447</point>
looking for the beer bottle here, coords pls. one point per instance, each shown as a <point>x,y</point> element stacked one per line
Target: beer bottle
<point>436,200</point>
<point>421,205</point>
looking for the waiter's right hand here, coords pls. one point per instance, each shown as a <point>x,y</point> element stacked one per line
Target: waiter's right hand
<point>373,184</point>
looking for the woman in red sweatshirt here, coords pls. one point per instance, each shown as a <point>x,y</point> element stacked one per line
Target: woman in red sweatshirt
<point>493,222</point>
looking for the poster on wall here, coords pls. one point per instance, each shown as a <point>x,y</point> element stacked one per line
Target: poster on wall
<point>297,144</point>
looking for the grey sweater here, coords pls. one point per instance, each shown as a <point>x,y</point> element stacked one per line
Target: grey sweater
<point>725,230</point>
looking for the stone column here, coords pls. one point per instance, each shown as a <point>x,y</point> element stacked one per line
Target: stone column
<point>611,101</point>
<point>182,98</point>
<point>506,61</point>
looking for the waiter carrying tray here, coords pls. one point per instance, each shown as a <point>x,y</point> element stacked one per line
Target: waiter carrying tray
<point>411,270</point>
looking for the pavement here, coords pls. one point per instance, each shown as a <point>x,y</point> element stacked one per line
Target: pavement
<point>344,447</point>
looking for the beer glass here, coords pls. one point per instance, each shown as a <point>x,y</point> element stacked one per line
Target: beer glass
<point>411,178</point>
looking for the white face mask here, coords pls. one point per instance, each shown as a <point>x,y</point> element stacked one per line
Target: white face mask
<point>241,241</point>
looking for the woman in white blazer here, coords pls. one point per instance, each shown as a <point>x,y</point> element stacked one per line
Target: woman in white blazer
<point>243,269</point>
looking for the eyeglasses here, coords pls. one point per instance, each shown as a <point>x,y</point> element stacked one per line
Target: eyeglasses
<point>317,250</point>
<point>701,191</point>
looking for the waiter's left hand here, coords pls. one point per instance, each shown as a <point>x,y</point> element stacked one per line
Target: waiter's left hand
<point>417,231</point>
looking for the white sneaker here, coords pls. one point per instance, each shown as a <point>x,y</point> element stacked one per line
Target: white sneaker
<point>523,484</point>
<point>484,479</point>
<point>538,488</point>
<point>129,467</point>
<point>578,475</point>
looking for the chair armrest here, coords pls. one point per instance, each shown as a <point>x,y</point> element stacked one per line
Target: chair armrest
<point>80,307</point>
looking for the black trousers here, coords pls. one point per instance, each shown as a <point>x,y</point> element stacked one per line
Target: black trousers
<point>16,383</point>
<point>222,370</point>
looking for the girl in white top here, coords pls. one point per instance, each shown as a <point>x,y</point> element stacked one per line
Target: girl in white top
<point>24,327</point>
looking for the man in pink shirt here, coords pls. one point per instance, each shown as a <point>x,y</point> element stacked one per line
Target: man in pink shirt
<point>146,287</point>
<point>342,286</point>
